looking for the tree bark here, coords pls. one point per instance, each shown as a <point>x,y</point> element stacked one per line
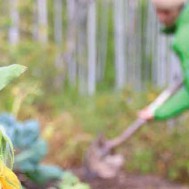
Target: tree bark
<point>70,54</point>
<point>92,48</point>
<point>14,34</point>
<point>119,44</point>
<point>42,21</point>
<point>58,31</point>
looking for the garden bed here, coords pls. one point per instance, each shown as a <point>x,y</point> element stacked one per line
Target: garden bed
<point>130,181</point>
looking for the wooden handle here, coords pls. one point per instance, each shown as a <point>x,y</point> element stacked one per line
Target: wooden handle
<point>126,134</point>
<point>164,96</point>
<point>140,122</point>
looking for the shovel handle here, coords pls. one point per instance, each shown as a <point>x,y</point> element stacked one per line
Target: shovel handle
<point>133,128</point>
<point>110,144</point>
<point>164,96</point>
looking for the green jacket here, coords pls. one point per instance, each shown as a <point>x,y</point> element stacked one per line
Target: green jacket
<point>181,43</point>
<point>180,101</point>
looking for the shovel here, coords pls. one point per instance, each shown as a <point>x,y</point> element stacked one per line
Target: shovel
<point>99,160</point>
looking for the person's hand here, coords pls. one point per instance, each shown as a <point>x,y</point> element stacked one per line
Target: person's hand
<point>146,114</point>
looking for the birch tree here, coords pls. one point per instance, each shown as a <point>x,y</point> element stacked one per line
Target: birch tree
<point>119,44</point>
<point>142,55</point>
<point>14,34</point>
<point>58,37</point>
<point>70,54</point>
<point>131,51</point>
<point>58,32</point>
<point>42,21</point>
<point>82,45</point>
<point>92,48</point>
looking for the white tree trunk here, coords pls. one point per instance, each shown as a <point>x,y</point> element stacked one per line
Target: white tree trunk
<point>131,58</point>
<point>92,48</point>
<point>140,62</point>
<point>42,21</point>
<point>14,34</point>
<point>58,32</point>
<point>84,60</point>
<point>35,21</point>
<point>70,54</point>
<point>119,44</point>
<point>82,46</point>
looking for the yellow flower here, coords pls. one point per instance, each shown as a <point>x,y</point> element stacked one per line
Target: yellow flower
<point>8,180</point>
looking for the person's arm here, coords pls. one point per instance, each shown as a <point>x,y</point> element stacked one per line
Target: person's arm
<point>150,112</point>
<point>180,101</point>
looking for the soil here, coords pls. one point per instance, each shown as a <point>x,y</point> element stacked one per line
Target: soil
<point>31,185</point>
<point>130,181</point>
<point>122,181</point>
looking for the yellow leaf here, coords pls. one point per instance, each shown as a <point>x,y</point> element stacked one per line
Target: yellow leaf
<point>8,180</point>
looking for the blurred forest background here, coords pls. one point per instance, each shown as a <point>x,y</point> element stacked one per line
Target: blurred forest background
<point>87,45</point>
<point>91,66</point>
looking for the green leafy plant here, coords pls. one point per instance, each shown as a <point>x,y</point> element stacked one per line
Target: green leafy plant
<point>9,73</point>
<point>8,178</point>
<point>72,182</point>
<point>30,149</point>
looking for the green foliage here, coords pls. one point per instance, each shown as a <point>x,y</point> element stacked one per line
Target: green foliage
<point>41,67</point>
<point>30,149</point>
<point>157,148</point>
<point>60,133</point>
<point>6,149</point>
<point>109,76</point>
<point>9,73</point>
<point>161,150</point>
<point>154,149</point>
<point>72,182</point>
<point>83,118</point>
<point>44,173</point>
<point>142,160</point>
